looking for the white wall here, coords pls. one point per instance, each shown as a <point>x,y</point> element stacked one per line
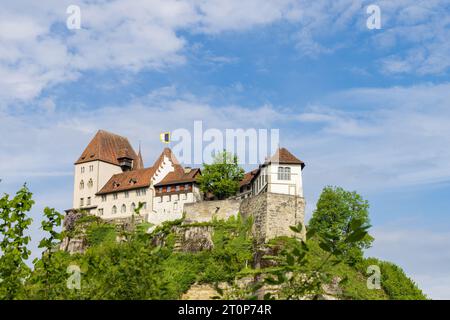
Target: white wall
<point>100,173</point>
<point>170,207</point>
<point>293,187</point>
<point>110,202</point>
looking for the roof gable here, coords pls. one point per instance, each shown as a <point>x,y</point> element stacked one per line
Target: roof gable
<point>107,147</point>
<point>283,156</point>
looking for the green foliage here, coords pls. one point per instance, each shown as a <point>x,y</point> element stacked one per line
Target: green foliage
<point>145,266</point>
<point>394,281</point>
<point>52,220</point>
<point>13,245</point>
<point>337,213</point>
<point>221,178</point>
<point>99,233</point>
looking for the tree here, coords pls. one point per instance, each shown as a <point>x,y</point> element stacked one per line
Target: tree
<point>53,220</point>
<point>13,244</point>
<point>339,211</point>
<point>221,178</point>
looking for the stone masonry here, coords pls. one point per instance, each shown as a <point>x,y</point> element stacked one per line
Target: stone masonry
<point>272,214</point>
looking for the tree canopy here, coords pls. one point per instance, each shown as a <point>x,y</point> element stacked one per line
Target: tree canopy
<point>335,210</point>
<point>222,177</point>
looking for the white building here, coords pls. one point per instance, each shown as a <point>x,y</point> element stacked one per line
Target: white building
<point>110,180</point>
<point>281,173</point>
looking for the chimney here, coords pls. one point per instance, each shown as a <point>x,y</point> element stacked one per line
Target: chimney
<point>187,170</point>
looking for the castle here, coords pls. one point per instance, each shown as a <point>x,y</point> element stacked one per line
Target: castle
<point>110,181</point>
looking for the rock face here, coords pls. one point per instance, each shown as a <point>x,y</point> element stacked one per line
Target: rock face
<point>194,239</point>
<point>74,245</point>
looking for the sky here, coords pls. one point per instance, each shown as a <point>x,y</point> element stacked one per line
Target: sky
<point>365,109</point>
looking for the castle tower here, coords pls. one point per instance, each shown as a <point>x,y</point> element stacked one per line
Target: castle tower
<point>105,155</point>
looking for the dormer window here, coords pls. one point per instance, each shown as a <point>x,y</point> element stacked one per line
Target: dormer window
<point>133,181</point>
<point>116,184</point>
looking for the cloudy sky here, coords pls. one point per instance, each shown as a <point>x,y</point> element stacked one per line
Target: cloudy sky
<point>368,110</point>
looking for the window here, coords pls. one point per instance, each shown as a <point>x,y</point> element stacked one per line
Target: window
<point>160,189</point>
<point>175,205</point>
<point>90,183</point>
<point>184,196</point>
<point>82,169</point>
<point>91,168</point>
<point>159,199</point>
<point>104,198</point>
<point>169,188</point>
<point>114,210</point>
<point>138,192</point>
<point>127,194</point>
<point>143,192</point>
<point>123,209</point>
<point>133,207</point>
<point>186,187</point>
<point>81,185</point>
<point>284,173</point>
<point>100,212</point>
<point>88,201</point>
<point>177,188</point>
<point>144,205</point>
<point>81,202</point>
<point>175,197</point>
<point>115,196</point>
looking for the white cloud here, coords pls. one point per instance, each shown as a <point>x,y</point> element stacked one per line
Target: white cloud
<point>37,51</point>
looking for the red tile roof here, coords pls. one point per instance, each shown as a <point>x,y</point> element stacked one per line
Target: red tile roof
<point>128,180</point>
<point>248,177</point>
<point>107,147</point>
<point>283,156</point>
<point>179,176</point>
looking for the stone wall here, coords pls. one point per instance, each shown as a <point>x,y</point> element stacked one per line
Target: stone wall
<point>206,211</point>
<point>273,214</point>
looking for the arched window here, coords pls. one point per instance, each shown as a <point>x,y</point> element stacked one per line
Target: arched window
<point>114,210</point>
<point>81,185</point>
<point>123,209</point>
<point>133,207</point>
<point>90,183</point>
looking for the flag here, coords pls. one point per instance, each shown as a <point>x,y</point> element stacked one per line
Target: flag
<point>165,137</point>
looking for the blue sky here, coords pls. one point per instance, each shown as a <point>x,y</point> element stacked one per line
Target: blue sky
<point>365,109</point>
